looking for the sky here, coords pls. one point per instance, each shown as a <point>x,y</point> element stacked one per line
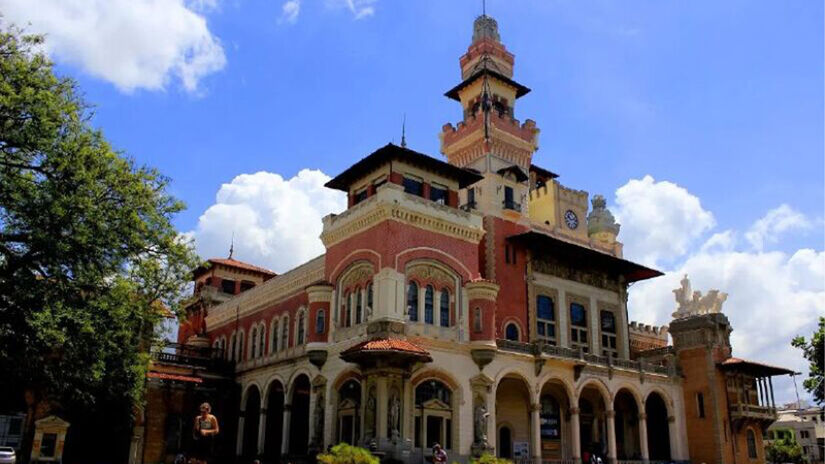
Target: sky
<point>701,122</point>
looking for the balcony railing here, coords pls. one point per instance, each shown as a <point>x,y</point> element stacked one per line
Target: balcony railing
<point>512,205</point>
<point>576,355</point>
<point>199,358</point>
<point>752,411</point>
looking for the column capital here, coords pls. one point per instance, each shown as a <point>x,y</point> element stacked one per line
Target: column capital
<point>642,416</point>
<point>574,411</point>
<point>535,407</point>
<point>610,413</point>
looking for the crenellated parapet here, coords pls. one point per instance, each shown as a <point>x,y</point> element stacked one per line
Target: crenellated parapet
<point>645,337</point>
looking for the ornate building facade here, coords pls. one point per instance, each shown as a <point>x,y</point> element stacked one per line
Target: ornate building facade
<point>477,303</point>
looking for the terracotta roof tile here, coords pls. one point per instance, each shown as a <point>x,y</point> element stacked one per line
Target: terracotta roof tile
<point>387,345</point>
<point>755,366</point>
<point>241,265</point>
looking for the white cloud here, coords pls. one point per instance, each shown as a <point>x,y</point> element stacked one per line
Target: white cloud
<point>776,222</point>
<point>290,11</point>
<point>773,296</point>
<point>359,8</point>
<point>660,220</point>
<point>134,44</point>
<point>276,221</point>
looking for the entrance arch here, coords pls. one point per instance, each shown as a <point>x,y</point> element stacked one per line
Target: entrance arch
<point>252,418</point>
<point>299,416</point>
<point>627,426</point>
<point>555,433</point>
<point>513,414</point>
<point>658,428</point>
<point>592,419</point>
<point>274,421</point>
<point>349,418</point>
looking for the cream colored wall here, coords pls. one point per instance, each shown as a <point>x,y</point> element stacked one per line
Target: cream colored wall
<point>497,87</point>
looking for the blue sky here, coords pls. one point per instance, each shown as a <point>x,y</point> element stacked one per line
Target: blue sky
<point>720,103</point>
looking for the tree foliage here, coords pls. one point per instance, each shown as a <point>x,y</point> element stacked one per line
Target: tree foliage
<point>87,245</point>
<point>488,458</point>
<point>814,352</point>
<point>343,453</point>
<point>784,450</point>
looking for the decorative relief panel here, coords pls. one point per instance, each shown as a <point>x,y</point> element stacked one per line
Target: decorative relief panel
<point>582,274</point>
<point>429,273</point>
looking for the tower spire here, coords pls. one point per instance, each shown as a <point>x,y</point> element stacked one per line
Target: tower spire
<point>404,131</point>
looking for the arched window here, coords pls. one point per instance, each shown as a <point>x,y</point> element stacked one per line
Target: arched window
<point>433,414</point>
<point>348,316</point>
<point>369,298</point>
<point>511,332</point>
<point>752,444</point>
<point>320,321</point>
<point>359,306</point>
<point>273,344</point>
<point>299,328</point>
<point>428,304</point>
<point>240,354</point>
<point>477,327</point>
<point>285,333</point>
<point>253,345</point>
<point>412,301</point>
<point>230,353</point>
<point>262,340</point>
<point>444,314</point>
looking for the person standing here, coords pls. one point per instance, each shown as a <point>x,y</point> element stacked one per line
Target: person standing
<point>439,455</point>
<point>204,430</point>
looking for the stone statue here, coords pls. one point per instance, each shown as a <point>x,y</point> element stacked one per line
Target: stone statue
<point>692,303</point>
<point>481,416</point>
<point>395,415</point>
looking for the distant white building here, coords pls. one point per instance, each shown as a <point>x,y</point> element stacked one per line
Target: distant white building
<point>808,428</point>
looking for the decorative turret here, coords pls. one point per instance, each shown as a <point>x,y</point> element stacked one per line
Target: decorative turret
<point>601,225</point>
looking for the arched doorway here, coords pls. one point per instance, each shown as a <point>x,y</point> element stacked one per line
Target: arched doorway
<point>592,421</point>
<point>627,426</point>
<point>299,417</point>
<point>513,413</point>
<point>349,419</point>
<point>252,418</point>
<point>554,428</point>
<point>433,415</point>
<point>658,432</point>
<point>274,421</point>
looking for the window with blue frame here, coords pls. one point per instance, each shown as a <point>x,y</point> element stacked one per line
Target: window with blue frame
<point>545,319</point>
<point>578,326</point>
<point>445,308</point>
<point>428,304</point>
<point>412,301</point>
<point>511,332</point>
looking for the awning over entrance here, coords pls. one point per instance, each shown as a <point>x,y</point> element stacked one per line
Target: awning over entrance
<point>391,350</point>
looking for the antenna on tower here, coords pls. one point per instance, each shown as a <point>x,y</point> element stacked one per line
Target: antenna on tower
<point>404,131</point>
<point>232,245</point>
<point>483,7</point>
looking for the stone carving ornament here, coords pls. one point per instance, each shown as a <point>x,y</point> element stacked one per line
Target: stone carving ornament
<point>395,415</point>
<point>480,422</point>
<point>693,303</point>
<point>428,273</point>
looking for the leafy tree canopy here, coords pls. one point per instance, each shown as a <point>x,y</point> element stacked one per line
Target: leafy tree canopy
<point>815,354</point>
<point>784,450</point>
<point>87,246</point>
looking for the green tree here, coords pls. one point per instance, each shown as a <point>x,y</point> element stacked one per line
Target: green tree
<point>815,354</point>
<point>784,450</point>
<point>343,453</point>
<point>87,250</point>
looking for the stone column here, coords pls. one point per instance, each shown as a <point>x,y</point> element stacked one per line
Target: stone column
<point>262,431</point>
<point>408,413</point>
<point>381,401</point>
<point>535,431</point>
<point>575,433</point>
<point>673,436</point>
<point>611,436</point>
<point>563,324</point>
<point>239,441</point>
<point>643,436</point>
<point>285,434</point>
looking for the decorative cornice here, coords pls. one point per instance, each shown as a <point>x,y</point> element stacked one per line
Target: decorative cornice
<point>482,290</point>
<point>391,203</point>
<point>319,293</point>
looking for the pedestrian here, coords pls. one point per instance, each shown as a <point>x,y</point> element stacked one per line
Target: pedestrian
<point>204,430</point>
<point>439,455</point>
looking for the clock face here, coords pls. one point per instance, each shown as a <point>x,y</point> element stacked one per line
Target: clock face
<point>571,219</point>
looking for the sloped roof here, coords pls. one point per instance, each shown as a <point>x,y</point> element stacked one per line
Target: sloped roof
<point>231,262</point>
<point>387,344</point>
<point>753,367</point>
<point>392,152</point>
<point>520,89</point>
<point>177,377</point>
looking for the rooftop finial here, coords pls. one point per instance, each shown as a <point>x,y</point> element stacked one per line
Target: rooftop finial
<point>483,7</point>
<point>232,245</point>
<point>404,131</point>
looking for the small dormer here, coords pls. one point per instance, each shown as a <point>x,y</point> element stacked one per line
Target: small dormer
<point>418,175</point>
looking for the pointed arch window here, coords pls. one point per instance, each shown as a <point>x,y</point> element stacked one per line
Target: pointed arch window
<point>300,329</point>
<point>348,315</point>
<point>273,345</point>
<point>359,306</point>
<point>511,332</point>
<point>320,322</point>
<point>253,345</point>
<point>444,308</point>
<point>285,333</point>
<point>428,304</point>
<point>477,322</point>
<point>262,340</point>
<point>369,299</point>
<point>412,301</point>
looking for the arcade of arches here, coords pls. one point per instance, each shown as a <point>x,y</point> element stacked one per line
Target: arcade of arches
<point>559,425</point>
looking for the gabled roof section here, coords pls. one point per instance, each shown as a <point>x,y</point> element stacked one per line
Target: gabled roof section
<point>234,263</point>
<point>391,152</point>
<point>543,173</point>
<point>520,89</point>
<point>563,248</point>
<point>520,175</point>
